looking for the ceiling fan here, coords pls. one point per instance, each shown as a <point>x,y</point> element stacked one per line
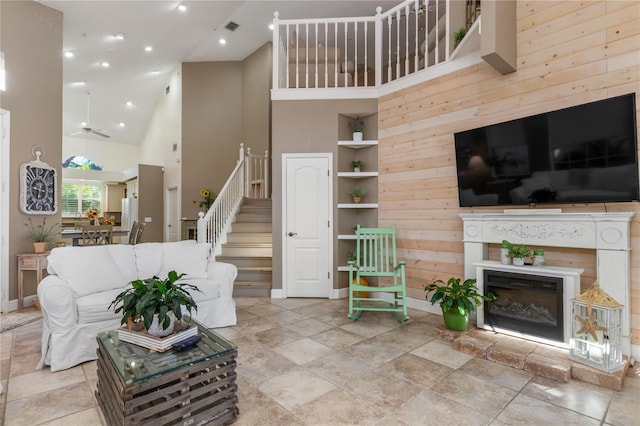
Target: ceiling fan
<point>87,128</point>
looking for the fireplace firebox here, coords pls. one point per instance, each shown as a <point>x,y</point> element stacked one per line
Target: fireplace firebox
<point>527,304</point>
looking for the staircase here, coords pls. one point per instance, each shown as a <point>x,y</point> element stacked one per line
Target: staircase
<point>249,247</point>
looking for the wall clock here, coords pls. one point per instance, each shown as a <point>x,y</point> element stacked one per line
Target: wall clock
<point>38,180</point>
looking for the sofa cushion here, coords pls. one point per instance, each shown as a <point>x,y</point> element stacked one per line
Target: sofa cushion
<point>95,307</point>
<point>185,257</point>
<point>148,257</point>
<point>87,270</point>
<point>209,289</point>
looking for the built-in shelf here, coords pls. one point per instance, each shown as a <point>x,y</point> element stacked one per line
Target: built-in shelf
<point>357,175</point>
<point>357,145</point>
<point>358,206</point>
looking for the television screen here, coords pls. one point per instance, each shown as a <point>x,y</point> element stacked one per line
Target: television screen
<point>582,154</point>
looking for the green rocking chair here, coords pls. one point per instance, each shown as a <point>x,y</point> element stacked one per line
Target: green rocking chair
<point>376,257</point>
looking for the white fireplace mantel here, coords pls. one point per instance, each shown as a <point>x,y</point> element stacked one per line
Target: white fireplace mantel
<point>607,233</point>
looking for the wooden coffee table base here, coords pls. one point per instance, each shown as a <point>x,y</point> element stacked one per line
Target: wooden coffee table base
<point>197,394</point>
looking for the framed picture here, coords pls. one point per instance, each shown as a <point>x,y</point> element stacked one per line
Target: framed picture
<point>38,192</point>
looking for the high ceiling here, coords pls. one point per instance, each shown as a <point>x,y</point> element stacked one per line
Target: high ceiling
<point>91,30</point>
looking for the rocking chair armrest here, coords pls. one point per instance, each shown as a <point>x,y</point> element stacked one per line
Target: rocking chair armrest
<point>400,264</point>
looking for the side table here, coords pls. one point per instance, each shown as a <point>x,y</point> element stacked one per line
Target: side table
<point>30,262</point>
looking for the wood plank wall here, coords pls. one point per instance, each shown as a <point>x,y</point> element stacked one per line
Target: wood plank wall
<point>569,53</point>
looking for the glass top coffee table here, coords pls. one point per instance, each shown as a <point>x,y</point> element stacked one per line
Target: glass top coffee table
<point>192,387</point>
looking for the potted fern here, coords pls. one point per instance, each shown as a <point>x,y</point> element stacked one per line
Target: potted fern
<point>456,300</point>
<point>356,127</point>
<point>357,194</point>
<point>356,164</point>
<point>155,302</point>
<point>518,253</point>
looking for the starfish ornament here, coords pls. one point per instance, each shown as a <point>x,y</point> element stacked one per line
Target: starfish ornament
<point>589,325</point>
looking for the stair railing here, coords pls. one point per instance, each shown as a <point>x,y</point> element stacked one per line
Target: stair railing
<point>257,175</point>
<point>248,179</point>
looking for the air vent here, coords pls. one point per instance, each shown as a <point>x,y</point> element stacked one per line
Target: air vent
<point>231,26</point>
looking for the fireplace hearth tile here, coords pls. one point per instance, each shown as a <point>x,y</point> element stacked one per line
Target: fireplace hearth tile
<point>472,346</point>
<point>588,374</point>
<point>443,333</point>
<point>550,367</point>
<point>551,352</point>
<point>510,352</point>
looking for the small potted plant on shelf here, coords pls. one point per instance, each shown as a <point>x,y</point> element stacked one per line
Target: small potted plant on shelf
<point>456,300</point>
<point>504,252</point>
<point>156,303</point>
<point>356,127</point>
<point>518,253</point>
<point>357,194</point>
<point>41,235</point>
<point>356,164</point>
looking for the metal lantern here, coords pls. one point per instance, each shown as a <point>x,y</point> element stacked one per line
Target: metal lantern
<point>596,330</point>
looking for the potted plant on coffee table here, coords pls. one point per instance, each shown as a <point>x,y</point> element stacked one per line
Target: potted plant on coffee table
<point>456,300</point>
<point>156,302</point>
<point>518,253</point>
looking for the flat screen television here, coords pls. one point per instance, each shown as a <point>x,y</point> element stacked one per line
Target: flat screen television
<point>582,154</point>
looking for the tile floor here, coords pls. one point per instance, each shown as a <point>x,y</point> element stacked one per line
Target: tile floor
<point>303,362</point>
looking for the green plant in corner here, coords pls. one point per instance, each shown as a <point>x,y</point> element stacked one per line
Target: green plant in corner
<point>506,244</point>
<point>356,163</point>
<point>459,35</point>
<point>43,233</point>
<point>453,295</point>
<point>519,251</point>
<point>151,296</point>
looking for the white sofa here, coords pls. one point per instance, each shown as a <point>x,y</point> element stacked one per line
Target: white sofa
<point>83,281</point>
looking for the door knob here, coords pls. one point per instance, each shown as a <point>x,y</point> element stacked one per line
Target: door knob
<point>291,234</point>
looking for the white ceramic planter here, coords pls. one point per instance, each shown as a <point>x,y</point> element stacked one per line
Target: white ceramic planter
<point>357,136</point>
<point>504,256</point>
<point>518,261</point>
<point>157,330</point>
<point>356,169</point>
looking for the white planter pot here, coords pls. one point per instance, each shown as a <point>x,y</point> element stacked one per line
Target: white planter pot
<point>504,256</point>
<point>157,330</point>
<point>518,261</point>
<point>356,169</point>
<point>357,136</point>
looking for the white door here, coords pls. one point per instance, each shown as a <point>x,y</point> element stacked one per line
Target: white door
<point>172,232</point>
<point>307,207</point>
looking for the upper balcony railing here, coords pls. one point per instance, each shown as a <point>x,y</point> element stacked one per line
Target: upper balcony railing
<point>362,52</point>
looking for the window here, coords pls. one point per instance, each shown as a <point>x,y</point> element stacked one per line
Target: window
<point>77,198</point>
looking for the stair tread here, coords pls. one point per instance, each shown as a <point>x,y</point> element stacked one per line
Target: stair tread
<point>252,284</point>
<point>255,268</point>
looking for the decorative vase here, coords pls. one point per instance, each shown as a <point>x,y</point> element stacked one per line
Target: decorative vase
<point>538,258</point>
<point>156,329</point>
<point>356,169</point>
<point>518,261</point>
<point>39,247</point>
<point>357,136</point>
<point>454,320</point>
<point>356,200</point>
<point>504,256</point>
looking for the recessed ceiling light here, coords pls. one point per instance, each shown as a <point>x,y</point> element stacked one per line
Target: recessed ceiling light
<point>79,83</point>
<point>223,41</point>
<point>68,54</point>
<point>271,26</point>
<point>84,123</point>
<point>148,48</point>
<point>129,103</point>
<point>155,72</point>
<point>182,8</point>
<point>119,36</point>
<point>104,64</point>
<point>121,124</point>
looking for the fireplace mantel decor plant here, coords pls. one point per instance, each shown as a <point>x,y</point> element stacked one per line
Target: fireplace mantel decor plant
<point>518,253</point>
<point>456,300</point>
